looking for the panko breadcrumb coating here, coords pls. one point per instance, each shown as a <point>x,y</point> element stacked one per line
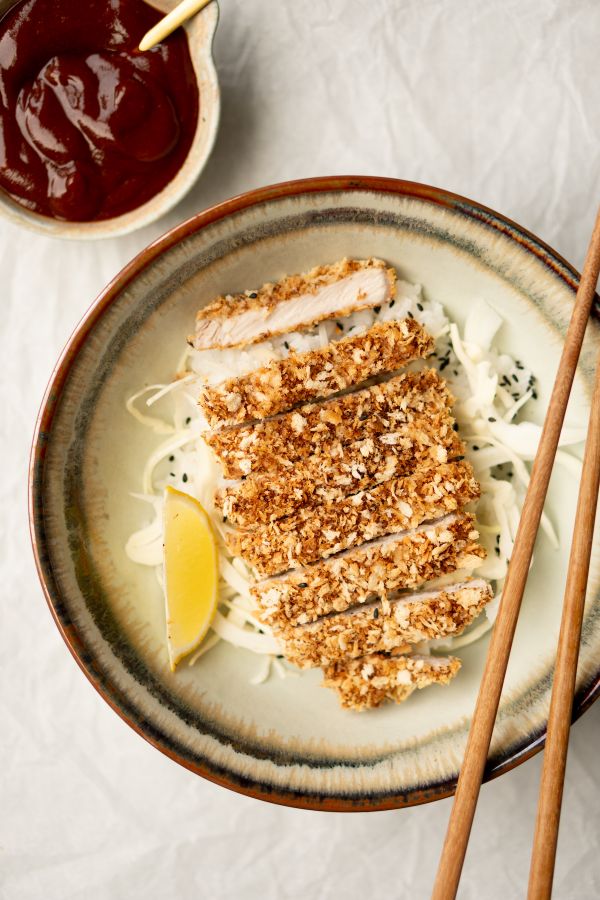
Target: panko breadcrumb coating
<point>397,562</point>
<point>296,302</point>
<point>286,383</point>
<point>319,531</point>
<point>323,428</point>
<point>324,478</point>
<point>369,681</point>
<point>386,625</point>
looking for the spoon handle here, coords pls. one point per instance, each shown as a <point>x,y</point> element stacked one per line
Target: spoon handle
<point>167,25</point>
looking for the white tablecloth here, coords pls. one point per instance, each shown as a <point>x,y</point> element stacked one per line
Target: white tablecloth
<point>499,101</point>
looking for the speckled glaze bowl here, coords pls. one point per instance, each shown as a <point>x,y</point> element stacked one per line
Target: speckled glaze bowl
<point>288,741</point>
<point>200,33</point>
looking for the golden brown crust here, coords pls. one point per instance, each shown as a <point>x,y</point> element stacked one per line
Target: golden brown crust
<point>324,478</point>
<point>286,383</point>
<point>399,562</point>
<point>270,294</point>
<point>369,681</point>
<point>316,428</point>
<point>316,532</point>
<point>385,626</point>
<point>297,303</point>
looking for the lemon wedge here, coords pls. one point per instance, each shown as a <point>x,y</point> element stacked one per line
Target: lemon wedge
<point>191,573</point>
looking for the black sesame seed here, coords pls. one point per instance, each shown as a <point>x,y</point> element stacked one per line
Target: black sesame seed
<point>303,584</point>
<point>515,396</point>
<point>409,314</point>
<point>443,364</point>
<point>455,372</point>
<point>172,474</point>
<point>455,426</point>
<point>375,613</point>
<point>363,416</point>
<point>171,458</point>
<point>475,447</point>
<point>491,419</point>
<point>377,309</point>
<point>280,656</point>
<point>188,420</point>
<point>497,549</point>
<point>340,326</point>
<point>224,518</point>
<point>534,395</point>
<point>420,306</point>
<point>253,295</point>
<point>392,303</point>
<point>514,377</point>
<point>184,477</point>
<point>458,458</point>
<point>286,345</point>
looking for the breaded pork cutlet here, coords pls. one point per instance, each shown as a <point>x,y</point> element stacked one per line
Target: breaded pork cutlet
<point>346,469</point>
<point>296,302</point>
<point>301,377</point>
<point>345,481</point>
<point>386,626</point>
<point>369,681</point>
<point>379,568</point>
<point>316,428</point>
<point>319,531</point>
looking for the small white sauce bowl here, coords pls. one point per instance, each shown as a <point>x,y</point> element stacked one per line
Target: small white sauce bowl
<point>200,33</point>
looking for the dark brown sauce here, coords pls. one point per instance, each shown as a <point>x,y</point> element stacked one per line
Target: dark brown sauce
<point>91,128</point>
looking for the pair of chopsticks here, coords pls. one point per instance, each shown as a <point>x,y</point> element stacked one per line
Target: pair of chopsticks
<point>561,706</point>
<point>171,21</point>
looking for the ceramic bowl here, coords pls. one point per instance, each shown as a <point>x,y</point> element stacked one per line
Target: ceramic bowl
<point>200,32</point>
<point>288,740</point>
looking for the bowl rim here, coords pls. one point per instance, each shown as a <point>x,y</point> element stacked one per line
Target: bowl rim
<point>201,31</point>
<point>110,692</point>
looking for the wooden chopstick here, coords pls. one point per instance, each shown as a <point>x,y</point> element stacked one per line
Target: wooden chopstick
<point>482,725</point>
<point>171,21</point>
<point>561,706</point>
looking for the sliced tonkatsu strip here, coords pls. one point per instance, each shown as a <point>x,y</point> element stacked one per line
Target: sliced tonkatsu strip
<point>320,531</point>
<point>386,565</point>
<point>346,469</point>
<point>315,374</point>
<point>296,302</point>
<point>393,406</point>
<point>369,681</point>
<point>385,626</point>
